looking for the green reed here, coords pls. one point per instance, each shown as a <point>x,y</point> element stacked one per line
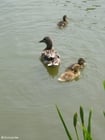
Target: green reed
<point>104,89</point>
<point>104,84</point>
<point>64,124</point>
<point>86,130</point>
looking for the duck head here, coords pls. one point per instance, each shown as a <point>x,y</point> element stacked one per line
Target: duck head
<point>64,18</point>
<point>81,62</point>
<point>48,42</point>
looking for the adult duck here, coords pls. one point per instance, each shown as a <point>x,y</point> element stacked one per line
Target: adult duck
<point>49,56</point>
<point>63,23</point>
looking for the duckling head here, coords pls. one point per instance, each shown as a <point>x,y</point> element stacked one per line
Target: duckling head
<point>48,42</point>
<point>81,62</point>
<point>64,18</point>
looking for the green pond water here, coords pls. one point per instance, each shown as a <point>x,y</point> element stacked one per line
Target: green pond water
<point>28,90</point>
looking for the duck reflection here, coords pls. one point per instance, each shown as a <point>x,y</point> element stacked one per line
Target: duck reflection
<point>52,71</point>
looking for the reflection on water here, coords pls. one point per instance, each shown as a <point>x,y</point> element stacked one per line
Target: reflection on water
<point>52,71</point>
<point>90,8</point>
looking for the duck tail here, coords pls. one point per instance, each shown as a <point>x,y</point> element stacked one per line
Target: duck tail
<point>61,80</point>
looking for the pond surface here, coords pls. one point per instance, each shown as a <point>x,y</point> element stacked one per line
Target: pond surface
<point>29,91</point>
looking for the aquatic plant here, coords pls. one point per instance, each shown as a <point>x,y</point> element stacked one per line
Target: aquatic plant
<point>85,130</point>
<point>104,114</point>
<point>64,124</point>
<point>104,84</point>
<point>104,89</point>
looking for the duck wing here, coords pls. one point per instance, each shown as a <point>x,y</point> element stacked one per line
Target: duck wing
<point>50,57</point>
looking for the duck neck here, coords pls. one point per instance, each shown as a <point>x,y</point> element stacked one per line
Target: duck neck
<point>49,45</point>
<point>64,19</point>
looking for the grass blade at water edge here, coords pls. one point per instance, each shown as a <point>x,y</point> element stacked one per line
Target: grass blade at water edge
<point>75,119</point>
<point>104,84</point>
<point>65,127</point>
<point>89,122</point>
<point>75,124</point>
<point>87,135</point>
<point>104,114</point>
<point>104,89</point>
<point>82,115</point>
<point>82,120</point>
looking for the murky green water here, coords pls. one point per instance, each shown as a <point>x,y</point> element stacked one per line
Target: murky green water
<point>28,91</point>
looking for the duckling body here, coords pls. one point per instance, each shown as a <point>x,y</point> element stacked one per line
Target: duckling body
<point>49,56</point>
<point>70,75</point>
<point>63,23</point>
<point>81,62</point>
<point>73,71</point>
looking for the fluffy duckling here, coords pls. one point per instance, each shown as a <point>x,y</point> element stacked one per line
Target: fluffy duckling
<point>70,75</point>
<point>63,23</point>
<point>49,56</point>
<point>80,62</point>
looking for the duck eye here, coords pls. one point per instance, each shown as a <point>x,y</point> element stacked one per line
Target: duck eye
<point>44,39</point>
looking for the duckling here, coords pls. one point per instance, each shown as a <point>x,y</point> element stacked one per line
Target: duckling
<point>80,62</point>
<point>63,23</point>
<point>49,56</point>
<point>70,75</point>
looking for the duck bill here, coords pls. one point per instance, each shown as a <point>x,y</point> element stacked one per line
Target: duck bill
<point>41,41</point>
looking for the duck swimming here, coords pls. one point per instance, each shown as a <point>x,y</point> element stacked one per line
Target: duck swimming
<point>80,62</point>
<point>49,56</point>
<point>63,23</point>
<point>70,75</point>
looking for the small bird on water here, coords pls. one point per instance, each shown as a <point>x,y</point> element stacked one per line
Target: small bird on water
<point>63,23</point>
